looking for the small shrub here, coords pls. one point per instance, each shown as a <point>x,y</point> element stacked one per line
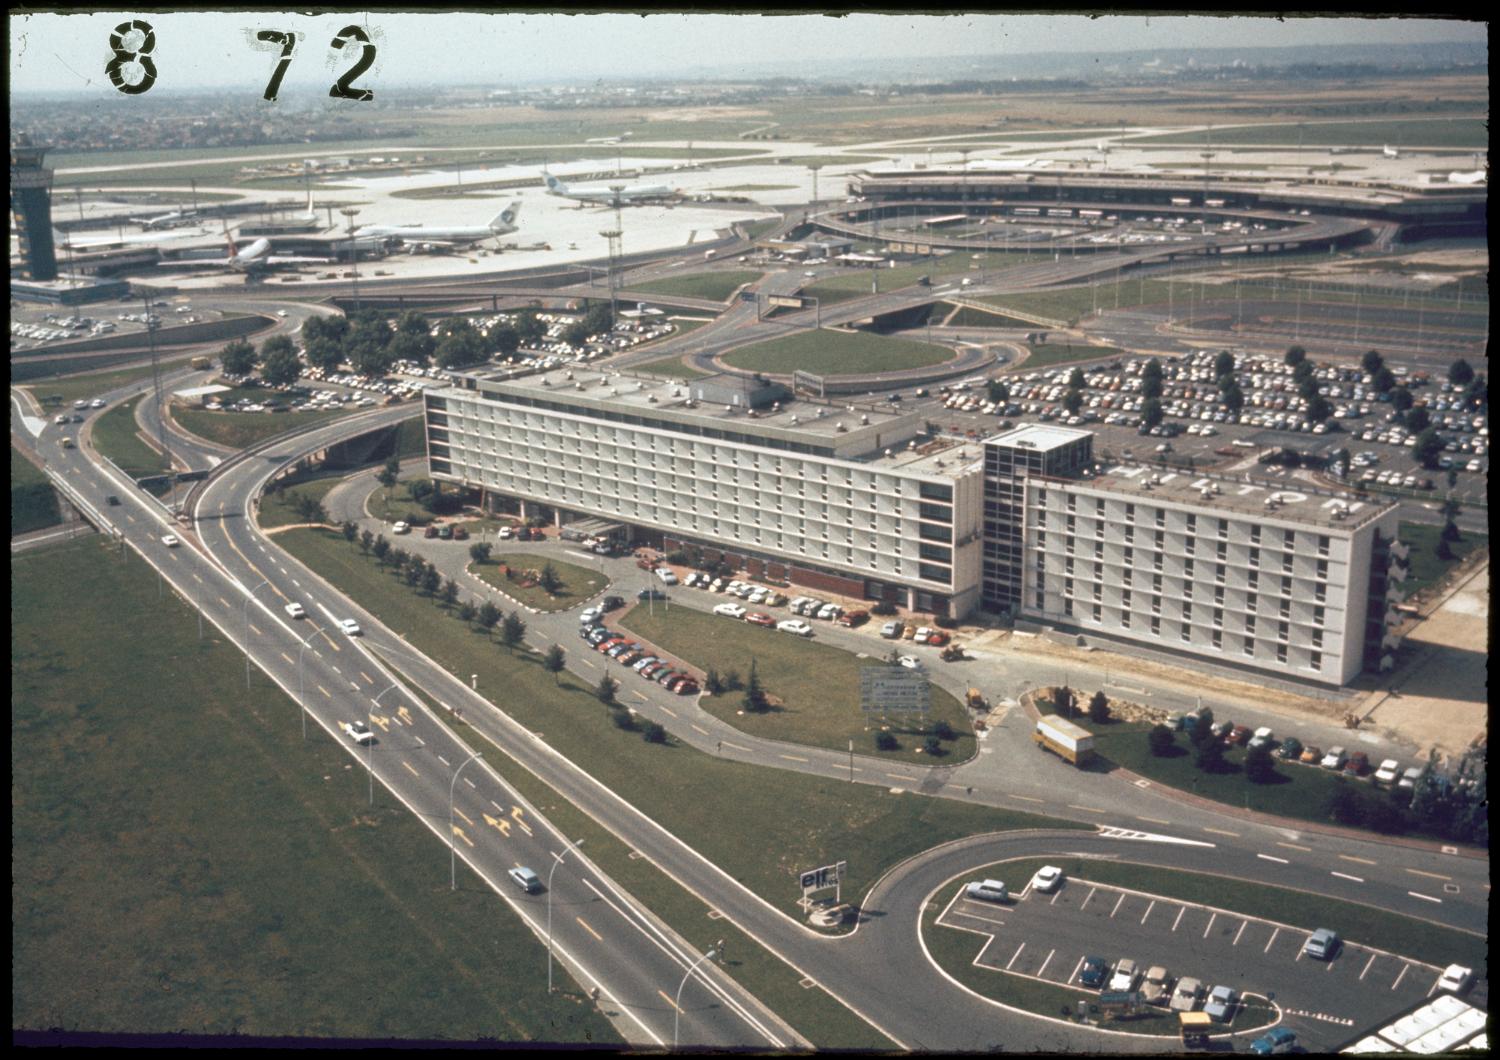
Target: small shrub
<point>654,733</point>
<point>624,720</point>
<point>932,746</point>
<point>1161,740</point>
<point>943,731</point>
<point>884,741</point>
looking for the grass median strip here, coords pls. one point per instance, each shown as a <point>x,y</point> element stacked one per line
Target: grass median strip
<point>33,501</point>
<point>815,688</point>
<point>117,436</point>
<point>837,353</point>
<point>761,826</point>
<point>183,860</point>
<point>573,585</point>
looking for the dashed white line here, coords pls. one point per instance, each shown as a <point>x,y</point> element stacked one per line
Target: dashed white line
<point>1346,876</point>
<point>1425,897</point>
<point>1268,857</point>
<point>1042,970</point>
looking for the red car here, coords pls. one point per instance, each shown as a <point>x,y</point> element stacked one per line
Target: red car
<point>853,618</point>
<point>1238,736</point>
<point>431,531</point>
<point>1358,764</point>
<point>758,618</point>
<point>652,671</point>
<point>608,643</point>
<point>686,687</point>
<point>460,534</point>
<point>937,638</point>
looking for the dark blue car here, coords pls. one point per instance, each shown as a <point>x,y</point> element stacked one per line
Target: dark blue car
<point>1094,972</point>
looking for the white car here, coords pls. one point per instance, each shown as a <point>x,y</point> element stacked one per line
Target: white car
<point>349,627</point>
<point>359,732</point>
<point>666,575</point>
<point>730,610</point>
<point>830,611</point>
<point>1047,878</point>
<point>97,403</point>
<point>987,890</point>
<point>1126,974</point>
<point>295,610</point>
<point>401,528</point>
<point>911,662</point>
<point>793,625</point>
<point>1389,770</point>
<point>1456,978</point>
<point>61,419</point>
<point>170,540</point>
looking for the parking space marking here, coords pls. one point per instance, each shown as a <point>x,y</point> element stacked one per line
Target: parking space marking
<point>1212,917</point>
<point>1367,966</point>
<point>1116,909</point>
<point>1268,857</point>
<point>1434,875</point>
<point>1346,876</point>
<point>1404,967</point>
<point>1272,939</point>
<point>1425,897</point>
<point>1040,972</point>
<point>1092,892</point>
<point>1179,917</point>
<point>1013,956</point>
<point>1241,931</point>
<point>1362,861</point>
<point>1148,910</point>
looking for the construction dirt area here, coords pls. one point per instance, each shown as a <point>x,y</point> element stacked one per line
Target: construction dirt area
<point>1440,698</point>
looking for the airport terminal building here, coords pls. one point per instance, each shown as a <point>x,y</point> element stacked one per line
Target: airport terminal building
<point>860,501</point>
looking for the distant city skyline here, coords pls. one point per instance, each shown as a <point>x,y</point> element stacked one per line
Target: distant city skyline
<point>197,51</point>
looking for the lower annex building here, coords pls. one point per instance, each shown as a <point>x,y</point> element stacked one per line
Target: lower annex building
<point>858,501</point>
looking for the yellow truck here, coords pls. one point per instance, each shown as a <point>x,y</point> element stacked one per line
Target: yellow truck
<point>201,363</point>
<point>1072,743</point>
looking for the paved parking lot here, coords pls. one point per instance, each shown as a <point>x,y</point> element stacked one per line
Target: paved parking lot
<point>1046,937</point>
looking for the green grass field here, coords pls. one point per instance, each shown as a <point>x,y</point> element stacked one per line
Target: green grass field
<point>1426,569</point>
<point>578,583</point>
<point>69,388</point>
<point>183,861</point>
<point>730,812</point>
<point>116,435</point>
<point>814,688</point>
<point>280,510</point>
<point>238,430</point>
<point>33,501</point>
<point>849,285</point>
<point>837,353</point>
<point>673,367</point>
<point>1050,353</point>
<point>1426,132</point>
<point>717,286</point>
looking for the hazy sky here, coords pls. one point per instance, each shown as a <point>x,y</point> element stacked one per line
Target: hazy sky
<point>216,49</point>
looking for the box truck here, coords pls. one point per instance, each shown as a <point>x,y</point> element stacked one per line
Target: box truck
<point>1071,742</point>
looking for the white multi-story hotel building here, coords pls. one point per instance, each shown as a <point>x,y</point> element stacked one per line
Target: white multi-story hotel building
<point>858,501</point>
<point>838,498</point>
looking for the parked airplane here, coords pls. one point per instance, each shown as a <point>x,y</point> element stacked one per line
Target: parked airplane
<point>166,220</point>
<point>609,196</point>
<point>501,224</point>
<point>256,257</point>
<point>1391,152</point>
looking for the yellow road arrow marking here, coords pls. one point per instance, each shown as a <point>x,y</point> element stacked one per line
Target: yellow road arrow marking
<point>459,832</point>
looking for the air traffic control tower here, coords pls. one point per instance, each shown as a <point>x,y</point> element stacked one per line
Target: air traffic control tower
<point>31,209</point>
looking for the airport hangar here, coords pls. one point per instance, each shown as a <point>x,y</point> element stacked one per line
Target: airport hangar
<point>858,501</point>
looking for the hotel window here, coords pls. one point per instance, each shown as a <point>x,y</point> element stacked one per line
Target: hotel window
<point>1125,575</point>
<point>1286,608</point>
<point>1130,513</point>
<point>1187,569</point>
<point>1286,561</point>
<point>1286,587</point>
<point>1072,524</point>
<point>1041,600</point>
<point>1068,587</point>
<point>1072,503</point>
<point>1068,608</point>
<point>1099,507</point>
<point>1098,549</point>
<point>1192,523</point>
<point>1223,529</point>
<point>1098,591</point>
<point>1323,544</point>
<point>1156,561</point>
<point>1222,552</point>
<point>1041,539</point>
<point>1255,533</point>
<point>1218,620</point>
<point>1250,601</point>
<point>1130,533</point>
<point>1161,518</point>
<point>1187,633</point>
<point>1218,639</point>
<point>1219,574</point>
<point>1322,571</point>
<point>1068,564</point>
<point>1317,638</point>
<point>1289,539</point>
<point>1281,653</point>
<point>1249,646</point>
<point>1187,612</point>
<point>1098,613</point>
<point>1219,595</point>
<point>1156,625</point>
<point>1124,619</point>
<point>1252,579</point>
<point>1249,625</point>
<point>1125,599</point>
<point>1161,540</point>
<point>1320,592</point>
<point>1282,631</point>
<point>1187,546</point>
<point>1041,498</point>
<point>1254,559</point>
<point>1319,614</point>
<point>1315,660</point>
<point>1129,558</point>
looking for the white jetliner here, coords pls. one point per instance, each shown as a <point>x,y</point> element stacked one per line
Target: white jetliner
<point>608,196</point>
<point>1391,152</point>
<point>501,224</point>
<point>178,216</point>
<point>256,257</point>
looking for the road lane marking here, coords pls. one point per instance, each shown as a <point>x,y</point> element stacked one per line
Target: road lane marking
<point>288,658</point>
<point>1153,820</point>
<point>1013,956</point>
<point>459,832</point>
<point>1425,897</point>
<point>1268,857</point>
<point>1273,939</point>
<point>1085,809</point>
<point>900,776</point>
<point>470,783</point>
<point>367,677</point>
<point>1367,967</point>
<point>638,694</point>
<point>1362,861</point>
<point>1434,875</point>
<point>1220,831</point>
<point>668,1000</point>
<point>699,729</point>
<point>410,770</point>
<point>585,925</point>
<point>1346,876</point>
<point>1179,917</point>
<point>1148,910</point>
<point>1210,924</point>
<point>670,711</point>
<point>445,762</point>
<point>794,758</point>
<point>736,746</point>
<point>1240,932</point>
<point>1027,798</point>
<point>465,816</point>
<point>1294,846</point>
<point>324,691</point>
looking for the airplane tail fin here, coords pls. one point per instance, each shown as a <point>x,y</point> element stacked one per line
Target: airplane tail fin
<point>234,251</point>
<point>506,218</point>
<point>554,185</point>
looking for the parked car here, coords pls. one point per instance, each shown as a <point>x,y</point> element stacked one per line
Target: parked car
<point>650,594</point>
<point>1335,758</point>
<point>1263,737</point>
<point>793,625</point>
<point>1093,972</point>
<point>987,890</point>
<point>1311,755</point>
<point>853,618</point>
<point>1157,987</point>
<point>666,575</point>
<point>1187,995</point>
<point>1358,764</point>
<point>430,531</point>
<point>359,732</point>
<point>891,630</point>
<point>170,540</point>
<point>729,610</point>
<point>1456,979</point>
<point>525,879</point>
<point>1409,778</point>
<point>910,662</point>
<point>349,627</point>
<point>612,603</point>
<point>937,638</point>
<point>1238,736</point>
<point>1290,749</point>
<point>1322,944</point>
<point>295,610</point>
<point>1274,1041</point>
<point>760,618</point>
<point>1126,974</point>
<point>1047,879</point>
<point>401,527</point>
<point>641,663</point>
<point>1389,770</point>
<point>1221,1003</point>
<point>460,534</point>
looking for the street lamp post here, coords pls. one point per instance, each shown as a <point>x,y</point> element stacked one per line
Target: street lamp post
<point>246,611</point>
<point>370,747</point>
<point>452,836</point>
<point>300,704</point>
<point>557,859</point>
<point>677,1005</point>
